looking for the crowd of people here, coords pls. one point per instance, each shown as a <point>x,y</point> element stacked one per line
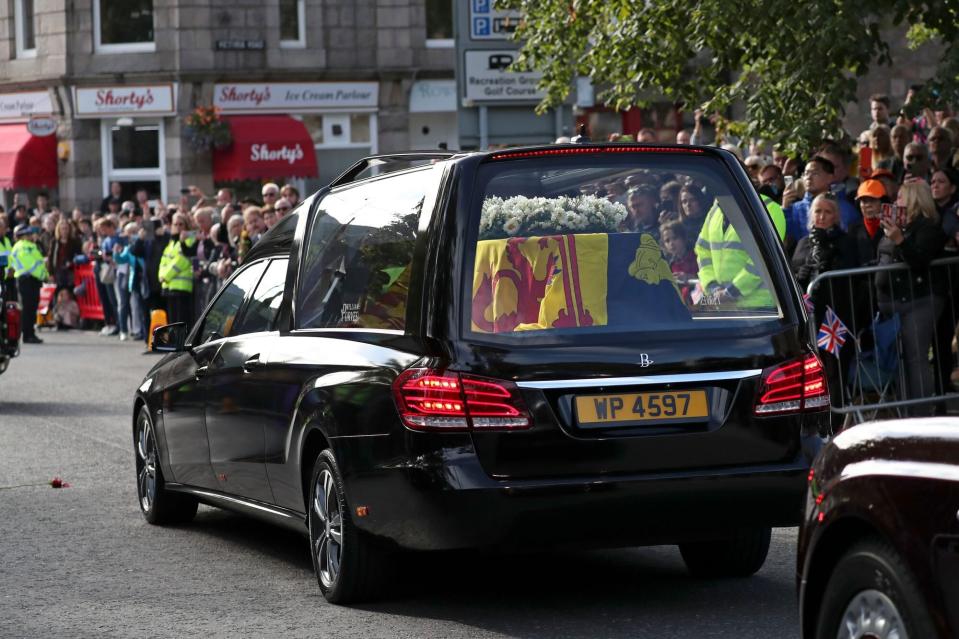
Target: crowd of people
<point>890,196</point>
<point>146,256</point>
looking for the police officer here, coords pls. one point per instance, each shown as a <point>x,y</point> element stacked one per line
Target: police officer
<point>30,270</point>
<point>176,271</point>
<point>727,272</point>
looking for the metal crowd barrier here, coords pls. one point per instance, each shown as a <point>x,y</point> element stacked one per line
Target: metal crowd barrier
<point>871,378</point>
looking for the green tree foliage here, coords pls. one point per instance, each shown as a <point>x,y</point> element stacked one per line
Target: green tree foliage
<point>793,65</point>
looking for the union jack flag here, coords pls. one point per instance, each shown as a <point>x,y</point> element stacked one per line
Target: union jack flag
<point>832,333</point>
<point>807,302</point>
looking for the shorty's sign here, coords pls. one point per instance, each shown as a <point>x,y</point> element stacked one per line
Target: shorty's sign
<point>145,100</point>
<point>275,153</point>
<point>42,126</point>
<point>295,97</point>
<point>22,106</point>
<point>486,78</point>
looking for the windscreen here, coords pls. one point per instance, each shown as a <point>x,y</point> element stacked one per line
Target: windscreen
<point>636,242</point>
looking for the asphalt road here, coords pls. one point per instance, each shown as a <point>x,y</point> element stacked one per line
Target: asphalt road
<point>82,562</point>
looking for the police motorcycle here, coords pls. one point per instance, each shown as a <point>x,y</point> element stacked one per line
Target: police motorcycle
<point>10,316</point>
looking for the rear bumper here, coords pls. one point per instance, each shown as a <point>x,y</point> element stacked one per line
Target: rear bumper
<point>446,501</point>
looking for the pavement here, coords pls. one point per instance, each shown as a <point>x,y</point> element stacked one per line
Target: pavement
<point>82,562</point>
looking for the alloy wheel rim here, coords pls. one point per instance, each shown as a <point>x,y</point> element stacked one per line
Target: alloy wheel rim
<point>328,541</point>
<point>146,466</point>
<point>871,614</point>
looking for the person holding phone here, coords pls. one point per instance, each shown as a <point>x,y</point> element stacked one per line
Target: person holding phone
<point>916,294</point>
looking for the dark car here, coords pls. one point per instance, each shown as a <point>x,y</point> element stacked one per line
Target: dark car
<point>879,545</point>
<point>481,350</point>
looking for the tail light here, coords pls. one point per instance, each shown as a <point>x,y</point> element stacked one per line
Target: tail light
<point>11,316</point>
<point>435,400</point>
<point>797,385</point>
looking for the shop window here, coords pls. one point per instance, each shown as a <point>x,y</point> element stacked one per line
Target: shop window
<point>123,25</point>
<point>135,147</point>
<point>133,155</point>
<point>340,130</point>
<point>25,25</point>
<point>292,24</point>
<point>439,23</point>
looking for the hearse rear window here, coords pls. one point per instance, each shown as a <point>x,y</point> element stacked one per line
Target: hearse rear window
<point>636,242</point>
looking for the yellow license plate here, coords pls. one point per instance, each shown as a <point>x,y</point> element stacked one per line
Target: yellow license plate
<point>641,407</point>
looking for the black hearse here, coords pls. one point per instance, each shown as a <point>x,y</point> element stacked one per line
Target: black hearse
<point>490,350</point>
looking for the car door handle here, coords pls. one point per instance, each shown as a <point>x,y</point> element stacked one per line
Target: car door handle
<point>201,371</point>
<point>252,362</point>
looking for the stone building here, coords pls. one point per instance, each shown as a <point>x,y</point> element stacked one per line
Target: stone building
<point>116,78</point>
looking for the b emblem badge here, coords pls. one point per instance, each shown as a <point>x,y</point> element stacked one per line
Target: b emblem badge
<point>644,360</point>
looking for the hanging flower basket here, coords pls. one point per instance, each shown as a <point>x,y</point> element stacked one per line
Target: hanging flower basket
<point>206,130</point>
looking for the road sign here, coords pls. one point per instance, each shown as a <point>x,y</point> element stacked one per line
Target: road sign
<point>485,78</point>
<point>487,23</point>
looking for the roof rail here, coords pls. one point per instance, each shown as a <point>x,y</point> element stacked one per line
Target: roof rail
<point>350,174</point>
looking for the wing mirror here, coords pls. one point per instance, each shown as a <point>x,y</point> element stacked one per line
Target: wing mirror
<point>170,338</point>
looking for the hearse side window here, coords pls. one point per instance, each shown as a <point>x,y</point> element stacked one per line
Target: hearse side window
<point>219,322</point>
<point>261,311</point>
<point>589,245</point>
<point>359,254</point>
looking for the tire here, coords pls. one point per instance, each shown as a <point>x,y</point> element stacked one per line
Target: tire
<point>349,567</point>
<point>738,556</point>
<point>871,576</point>
<point>159,506</point>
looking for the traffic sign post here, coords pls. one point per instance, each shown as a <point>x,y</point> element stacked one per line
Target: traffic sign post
<point>496,106</point>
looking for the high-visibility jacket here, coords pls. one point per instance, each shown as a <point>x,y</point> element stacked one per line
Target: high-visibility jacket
<point>776,213</point>
<point>27,259</point>
<point>176,270</point>
<point>723,260</point>
<point>5,250</point>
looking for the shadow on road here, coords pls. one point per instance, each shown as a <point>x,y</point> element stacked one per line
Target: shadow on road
<point>635,592</point>
<point>60,409</point>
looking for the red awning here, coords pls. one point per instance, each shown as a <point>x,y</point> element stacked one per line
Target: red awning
<point>265,146</point>
<point>27,161</point>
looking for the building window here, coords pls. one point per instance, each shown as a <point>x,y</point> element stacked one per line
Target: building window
<point>133,155</point>
<point>25,29</point>
<point>439,24</point>
<point>292,24</point>
<point>122,26</point>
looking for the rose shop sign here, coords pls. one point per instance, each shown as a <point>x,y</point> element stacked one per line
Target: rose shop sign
<point>127,100</point>
<point>295,97</point>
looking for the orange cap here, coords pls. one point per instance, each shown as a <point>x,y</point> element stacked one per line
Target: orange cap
<point>871,188</point>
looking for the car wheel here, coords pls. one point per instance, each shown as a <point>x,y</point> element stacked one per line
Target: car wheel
<point>872,593</point>
<point>159,506</point>
<point>349,566</point>
<point>738,556</point>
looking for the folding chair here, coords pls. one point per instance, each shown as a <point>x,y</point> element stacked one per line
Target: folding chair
<point>875,370</point>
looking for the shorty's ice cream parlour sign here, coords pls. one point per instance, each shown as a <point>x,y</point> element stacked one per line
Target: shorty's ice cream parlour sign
<point>295,97</point>
<point>127,100</point>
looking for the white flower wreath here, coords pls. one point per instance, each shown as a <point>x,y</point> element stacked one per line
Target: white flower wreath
<point>522,216</point>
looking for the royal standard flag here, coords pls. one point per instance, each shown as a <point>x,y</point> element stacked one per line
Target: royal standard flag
<point>565,281</point>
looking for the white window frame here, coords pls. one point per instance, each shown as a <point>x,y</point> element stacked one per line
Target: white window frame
<point>440,43</point>
<point>300,42</point>
<point>120,47</point>
<point>111,174</point>
<point>18,18</point>
<point>373,144</point>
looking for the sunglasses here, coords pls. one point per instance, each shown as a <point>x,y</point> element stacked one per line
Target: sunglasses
<point>282,208</point>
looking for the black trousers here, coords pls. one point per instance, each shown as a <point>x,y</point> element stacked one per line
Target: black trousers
<point>179,308</point>
<point>29,288</point>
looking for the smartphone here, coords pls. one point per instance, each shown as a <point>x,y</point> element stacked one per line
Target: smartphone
<point>865,163</point>
<point>893,213</point>
<point>789,179</point>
